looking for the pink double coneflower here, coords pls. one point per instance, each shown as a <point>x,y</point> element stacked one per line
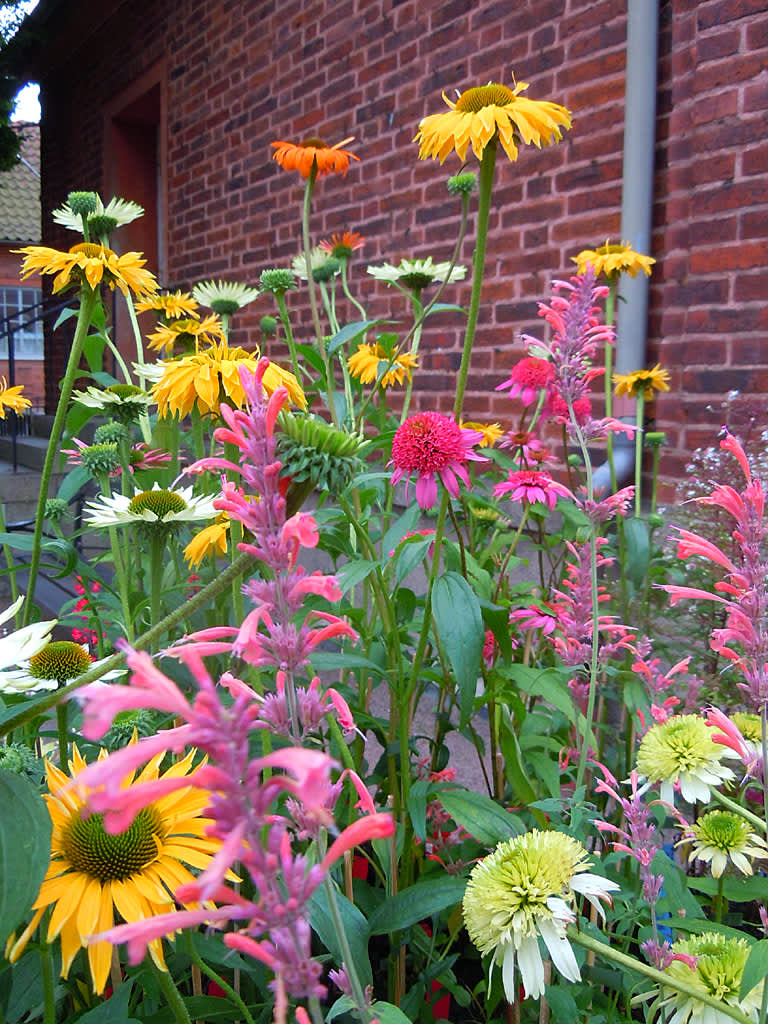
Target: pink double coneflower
<point>432,446</point>
<point>529,379</point>
<point>531,486</point>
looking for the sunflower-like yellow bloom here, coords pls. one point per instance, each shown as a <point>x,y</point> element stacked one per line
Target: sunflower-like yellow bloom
<point>212,375</point>
<point>91,264</point>
<point>366,363</point>
<point>490,432</point>
<point>482,113</point>
<point>209,542</point>
<point>171,305</point>
<point>12,398</point>
<point>645,381</point>
<point>93,873</point>
<point>612,260</point>
<point>187,333</point>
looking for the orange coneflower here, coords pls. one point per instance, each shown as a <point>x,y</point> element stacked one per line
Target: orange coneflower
<point>302,157</point>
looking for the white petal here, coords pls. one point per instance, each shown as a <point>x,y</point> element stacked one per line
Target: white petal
<point>531,966</point>
<point>560,950</point>
<point>11,610</point>
<point>508,972</point>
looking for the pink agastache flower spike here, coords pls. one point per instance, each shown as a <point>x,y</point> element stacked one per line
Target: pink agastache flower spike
<point>248,809</point>
<point>572,314</point>
<point>744,591</point>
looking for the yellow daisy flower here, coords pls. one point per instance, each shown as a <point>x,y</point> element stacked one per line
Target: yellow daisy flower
<point>91,264</point>
<point>186,333</point>
<point>612,260</point>
<point>94,874</point>
<point>12,398</point>
<point>366,364</point>
<point>212,375</point>
<point>209,542</point>
<point>171,305</point>
<point>489,111</point>
<point>491,432</point>
<point>646,381</point>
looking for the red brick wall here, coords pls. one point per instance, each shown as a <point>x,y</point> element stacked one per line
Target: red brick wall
<point>243,73</point>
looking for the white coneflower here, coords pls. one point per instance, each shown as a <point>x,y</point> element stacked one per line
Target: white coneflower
<point>713,964</point>
<point>719,836</point>
<point>681,752</point>
<point>157,507</point>
<point>525,889</point>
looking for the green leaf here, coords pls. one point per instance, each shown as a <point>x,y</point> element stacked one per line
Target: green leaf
<point>445,307</point>
<point>329,661</point>
<point>388,1013</point>
<point>459,624</point>
<point>25,848</point>
<point>350,332</point>
<point>735,890</point>
<point>72,483</point>
<point>355,929</point>
<point>482,817</point>
<point>353,573</point>
<point>404,524</point>
<point>755,969</point>
<point>412,553</point>
<point>638,550</point>
<point>113,1010</point>
<point>416,903</point>
<point>417,807</point>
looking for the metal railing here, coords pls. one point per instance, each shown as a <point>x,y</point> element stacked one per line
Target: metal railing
<point>40,313</point>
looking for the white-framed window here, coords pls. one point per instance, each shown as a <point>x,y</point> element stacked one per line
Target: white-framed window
<point>27,331</point>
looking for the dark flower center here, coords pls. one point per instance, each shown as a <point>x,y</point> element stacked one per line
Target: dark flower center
<point>60,660</point>
<point>91,249</point>
<point>472,101</point>
<point>124,390</point>
<point>90,849</point>
<point>161,502</point>
<point>314,143</point>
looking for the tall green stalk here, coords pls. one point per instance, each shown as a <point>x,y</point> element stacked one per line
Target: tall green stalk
<point>319,338</point>
<point>487,167</point>
<point>88,300</point>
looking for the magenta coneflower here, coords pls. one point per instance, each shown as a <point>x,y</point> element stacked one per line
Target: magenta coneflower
<point>528,379</point>
<point>530,486</point>
<point>431,445</point>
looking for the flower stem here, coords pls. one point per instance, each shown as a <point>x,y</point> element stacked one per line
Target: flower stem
<point>285,320</point>
<point>172,996</point>
<point>49,985</point>
<point>358,992</point>
<point>62,733</point>
<point>217,978</point>
<point>610,301</point>
<point>88,300</point>
<point>330,385</point>
<point>738,809</point>
<point>667,980</point>
<point>639,417</point>
<point>487,166</point>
